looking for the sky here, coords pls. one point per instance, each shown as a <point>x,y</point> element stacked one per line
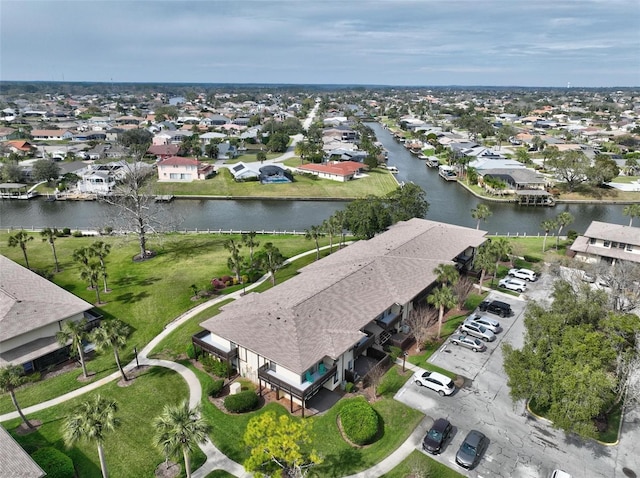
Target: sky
<point>590,43</point>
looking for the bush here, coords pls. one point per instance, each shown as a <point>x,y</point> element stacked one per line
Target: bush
<point>360,422</point>
<point>214,366</point>
<point>349,387</point>
<point>242,402</point>
<point>66,231</point>
<point>394,352</point>
<point>191,351</point>
<point>215,388</point>
<point>572,235</point>
<point>77,234</point>
<point>532,259</point>
<point>55,463</point>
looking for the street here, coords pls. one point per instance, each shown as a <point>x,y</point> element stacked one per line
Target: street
<point>521,446</point>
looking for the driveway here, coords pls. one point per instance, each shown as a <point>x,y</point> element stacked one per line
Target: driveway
<point>520,445</point>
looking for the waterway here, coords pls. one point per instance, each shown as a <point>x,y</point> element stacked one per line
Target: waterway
<point>448,202</point>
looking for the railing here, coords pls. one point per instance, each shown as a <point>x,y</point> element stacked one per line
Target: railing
<point>362,346</point>
<point>212,349</point>
<point>293,390</point>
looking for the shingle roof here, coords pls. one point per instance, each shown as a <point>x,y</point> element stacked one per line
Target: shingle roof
<point>614,232</point>
<point>320,311</point>
<point>16,463</point>
<point>29,301</point>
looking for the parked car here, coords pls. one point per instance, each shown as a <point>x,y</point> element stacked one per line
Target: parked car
<point>437,436</point>
<point>467,341</point>
<point>560,474</point>
<point>525,274</point>
<point>496,307</point>
<point>489,323</point>
<point>513,284</point>
<point>435,381</point>
<point>477,330</point>
<point>472,448</point>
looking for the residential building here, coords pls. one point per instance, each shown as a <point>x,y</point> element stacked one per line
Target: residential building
<point>16,462</point>
<point>32,311</point>
<point>609,243</point>
<point>315,330</point>
<point>177,168</point>
<point>51,134</point>
<point>336,171</point>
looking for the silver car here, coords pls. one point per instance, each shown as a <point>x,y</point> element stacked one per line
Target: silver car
<point>488,323</point>
<point>467,341</point>
<point>477,330</point>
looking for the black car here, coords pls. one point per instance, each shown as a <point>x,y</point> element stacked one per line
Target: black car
<point>472,448</point>
<point>496,307</point>
<point>437,436</point>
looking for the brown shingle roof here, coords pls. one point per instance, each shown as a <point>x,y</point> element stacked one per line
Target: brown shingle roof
<point>321,311</point>
<point>29,301</point>
<point>16,463</point>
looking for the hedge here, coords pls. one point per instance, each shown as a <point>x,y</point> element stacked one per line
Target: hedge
<point>242,402</point>
<point>215,388</point>
<point>360,422</point>
<point>55,463</point>
<point>214,366</point>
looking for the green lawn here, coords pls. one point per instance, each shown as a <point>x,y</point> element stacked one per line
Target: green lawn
<point>378,183</point>
<point>625,179</point>
<point>146,295</point>
<point>129,450</point>
<point>418,462</point>
<point>339,457</point>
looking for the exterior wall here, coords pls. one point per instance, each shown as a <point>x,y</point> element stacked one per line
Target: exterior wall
<point>49,330</point>
<point>177,173</point>
<point>595,245</point>
<point>96,185</point>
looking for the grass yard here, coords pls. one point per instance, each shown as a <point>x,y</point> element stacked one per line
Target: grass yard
<point>145,295</point>
<point>378,183</point>
<point>129,451</point>
<point>419,464</point>
<point>340,458</point>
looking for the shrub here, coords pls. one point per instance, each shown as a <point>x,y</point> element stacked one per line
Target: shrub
<point>215,388</point>
<point>572,235</point>
<point>394,352</point>
<point>66,231</point>
<point>77,234</point>
<point>218,284</point>
<point>241,402</point>
<point>349,387</point>
<point>214,366</point>
<point>191,351</point>
<point>532,259</point>
<point>55,463</point>
<point>360,422</point>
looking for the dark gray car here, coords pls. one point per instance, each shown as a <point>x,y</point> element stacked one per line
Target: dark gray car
<point>472,448</point>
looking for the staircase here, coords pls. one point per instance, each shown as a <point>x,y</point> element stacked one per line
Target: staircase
<point>383,338</point>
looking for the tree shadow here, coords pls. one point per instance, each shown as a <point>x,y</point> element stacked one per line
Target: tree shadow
<point>130,297</point>
<point>189,249</point>
<point>342,463</point>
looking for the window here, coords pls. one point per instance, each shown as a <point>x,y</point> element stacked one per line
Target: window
<point>622,245</point>
<point>629,247</point>
<point>607,244</point>
<point>614,244</point>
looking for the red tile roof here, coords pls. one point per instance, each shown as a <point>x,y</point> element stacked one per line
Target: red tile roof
<point>344,168</point>
<point>179,161</point>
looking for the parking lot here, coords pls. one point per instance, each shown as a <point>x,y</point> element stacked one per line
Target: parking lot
<point>520,445</point>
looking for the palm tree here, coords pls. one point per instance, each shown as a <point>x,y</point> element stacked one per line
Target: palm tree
<point>89,422</point>
<point>82,256</point>
<point>483,260</point>
<point>249,240</point>
<point>21,238</point>
<point>11,377</point>
<point>101,250</point>
<point>481,213</point>
<point>339,218</point>
<point>441,298</point>
<point>75,332</point>
<point>563,219</point>
<point>271,259</point>
<point>632,210</point>
<point>500,247</point>
<point>112,334</point>
<point>546,225</point>
<point>314,232</point>
<point>235,260</point>
<point>179,430</point>
<point>447,274</point>
<point>331,228</point>
<point>50,236</point>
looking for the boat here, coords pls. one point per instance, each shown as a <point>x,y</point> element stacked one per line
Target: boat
<point>392,169</point>
<point>432,162</point>
<point>448,173</point>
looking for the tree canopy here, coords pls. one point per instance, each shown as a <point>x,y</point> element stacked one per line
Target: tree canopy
<point>45,170</point>
<point>570,351</point>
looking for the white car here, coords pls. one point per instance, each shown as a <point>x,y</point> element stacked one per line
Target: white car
<point>525,274</point>
<point>435,381</point>
<point>513,284</point>
<point>487,322</point>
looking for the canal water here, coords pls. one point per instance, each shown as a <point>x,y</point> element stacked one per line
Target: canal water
<point>448,202</point>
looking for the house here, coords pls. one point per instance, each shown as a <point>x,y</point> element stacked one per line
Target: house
<point>337,171</point>
<point>177,168</point>
<point>20,146</point>
<point>609,243</point>
<point>317,329</point>
<point>243,172</point>
<point>272,173</point>
<point>163,151</point>
<point>516,179</point>
<point>7,133</point>
<point>51,134</point>
<point>16,462</point>
<point>32,311</point>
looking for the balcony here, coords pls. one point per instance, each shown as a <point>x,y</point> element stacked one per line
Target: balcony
<point>363,344</point>
<point>208,343</point>
<point>302,391</point>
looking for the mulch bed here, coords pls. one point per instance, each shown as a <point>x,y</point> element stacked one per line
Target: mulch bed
<point>168,469</point>
<point>132,375</point>
<point>23,429</point>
